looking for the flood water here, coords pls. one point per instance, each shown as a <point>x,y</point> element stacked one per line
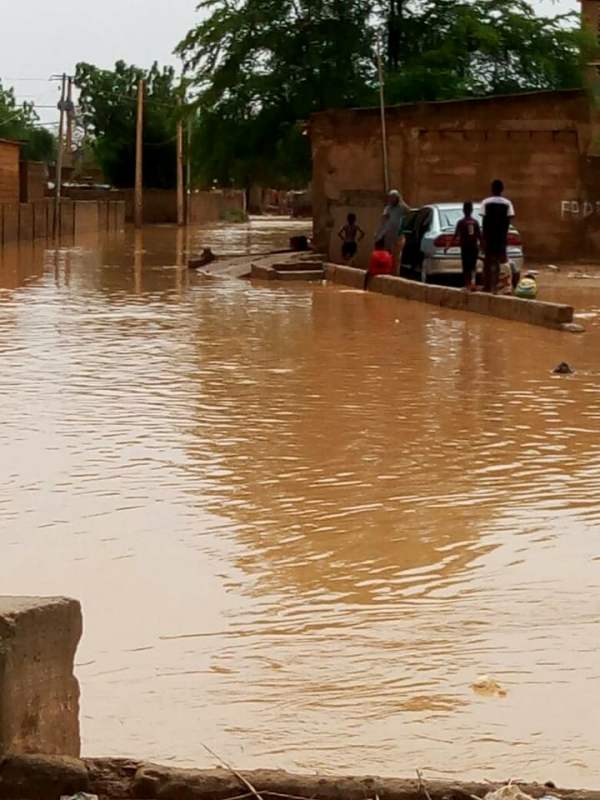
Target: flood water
<point>302,520</point>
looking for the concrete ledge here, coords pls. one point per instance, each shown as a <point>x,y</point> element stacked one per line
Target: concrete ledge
<point>31,778</point>
<point>300,275</point>
<point>263,272</point>
<point>533,312</point>
<point>39,695</point>
<point>347,276</point>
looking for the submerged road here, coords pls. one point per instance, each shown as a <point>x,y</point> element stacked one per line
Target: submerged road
<point>303,520</point>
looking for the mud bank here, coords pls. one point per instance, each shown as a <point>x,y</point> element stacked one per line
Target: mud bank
<point>32,777</point>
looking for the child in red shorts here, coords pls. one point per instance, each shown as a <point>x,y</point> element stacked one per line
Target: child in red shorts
<point>382,262</point>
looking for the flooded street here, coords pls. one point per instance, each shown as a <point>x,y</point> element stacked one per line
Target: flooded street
<point>303,520</point>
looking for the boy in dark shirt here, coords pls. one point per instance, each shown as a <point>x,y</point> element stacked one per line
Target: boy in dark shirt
<point>468,237</point>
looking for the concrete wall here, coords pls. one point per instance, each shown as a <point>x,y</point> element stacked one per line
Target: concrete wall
<point>160,206</point>
<point>27,221</point>
<point>39,694</point>
<point>212,206</point>
<point>33,181</point>
<point>9,171</point>
<point>539,144</point>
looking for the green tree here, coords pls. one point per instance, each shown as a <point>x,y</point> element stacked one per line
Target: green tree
<point>107,103</point>
<point>260,67</point>
<point>440,49</point>
<point>21,122</point>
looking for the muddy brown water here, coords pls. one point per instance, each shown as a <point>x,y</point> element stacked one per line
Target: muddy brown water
<point>302,520</point>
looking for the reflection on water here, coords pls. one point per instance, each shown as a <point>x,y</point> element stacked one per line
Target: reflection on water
<point>302,520</point>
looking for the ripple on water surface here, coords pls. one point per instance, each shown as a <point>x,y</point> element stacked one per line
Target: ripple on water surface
<point>302,520</point>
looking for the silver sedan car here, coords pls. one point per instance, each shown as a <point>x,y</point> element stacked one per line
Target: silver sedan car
<point>429,232</point>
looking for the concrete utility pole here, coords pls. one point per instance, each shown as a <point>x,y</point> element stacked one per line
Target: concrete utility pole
<point>180,184</point>
<point>139,140</point>
<point>384,143</point>
<point>60,156</point>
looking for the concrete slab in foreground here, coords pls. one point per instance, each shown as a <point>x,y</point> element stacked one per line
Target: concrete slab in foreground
<point>39,694</point>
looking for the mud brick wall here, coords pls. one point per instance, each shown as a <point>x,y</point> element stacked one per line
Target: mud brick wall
<point>39,695</point>
<point>33,181</point>
<point>86,217</point>
<point>9,171</point>
<point>539,144</point>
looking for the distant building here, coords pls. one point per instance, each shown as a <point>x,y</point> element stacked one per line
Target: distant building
<point>545,146</point>
<point>10,153</point>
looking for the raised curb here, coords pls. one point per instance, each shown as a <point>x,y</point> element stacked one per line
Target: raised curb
<point>533,312</point>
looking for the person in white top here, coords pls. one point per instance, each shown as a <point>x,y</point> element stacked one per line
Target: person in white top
<point>497,212</point>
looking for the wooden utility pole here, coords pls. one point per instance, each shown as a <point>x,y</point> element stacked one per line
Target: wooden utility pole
<point>384,142</point>
<point>180,185</point>
<point>59,157</point>
<point>139,141</point>
<point>70,114</point>
<point>188,177</point>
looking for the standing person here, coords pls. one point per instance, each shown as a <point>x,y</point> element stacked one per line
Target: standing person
<point>468,237</point>
<point>497,212</point>
<point>351,233</point>
<point>392,225</point>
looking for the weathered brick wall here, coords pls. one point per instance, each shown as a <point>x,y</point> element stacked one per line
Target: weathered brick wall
<point>33,181</point>
<point>9,172</point>
<point>537,143</point>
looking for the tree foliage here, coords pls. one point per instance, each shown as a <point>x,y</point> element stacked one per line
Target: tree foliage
<point>260,67</point>
<point>441,49</point>
<point>21,122</point>
<point>107,102</point>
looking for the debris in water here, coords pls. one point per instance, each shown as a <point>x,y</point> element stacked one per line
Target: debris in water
<point>553,268</point>
<point>79,796</point>
<point>489,686</point>
<point>563,369</point>
<point>581,275</point>
<point>509,792</point>
<point>205,257</point>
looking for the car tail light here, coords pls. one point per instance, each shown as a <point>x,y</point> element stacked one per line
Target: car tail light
<point>513,240</point>
<point>444,240</point>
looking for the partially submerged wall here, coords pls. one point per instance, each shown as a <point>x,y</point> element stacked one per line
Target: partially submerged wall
<point>39,694</point>
<point>160,205</point>
<point>450,151</point>
<point>25,222</point>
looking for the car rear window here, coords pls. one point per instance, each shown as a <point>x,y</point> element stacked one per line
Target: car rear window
<point>449,217</point>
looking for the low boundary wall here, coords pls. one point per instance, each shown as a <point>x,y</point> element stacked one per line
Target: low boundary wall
<point>160,205</point>
<point>533,312</point>
<point>25,222</point>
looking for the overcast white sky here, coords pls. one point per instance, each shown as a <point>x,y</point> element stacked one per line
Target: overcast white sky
<point>40,37</point>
